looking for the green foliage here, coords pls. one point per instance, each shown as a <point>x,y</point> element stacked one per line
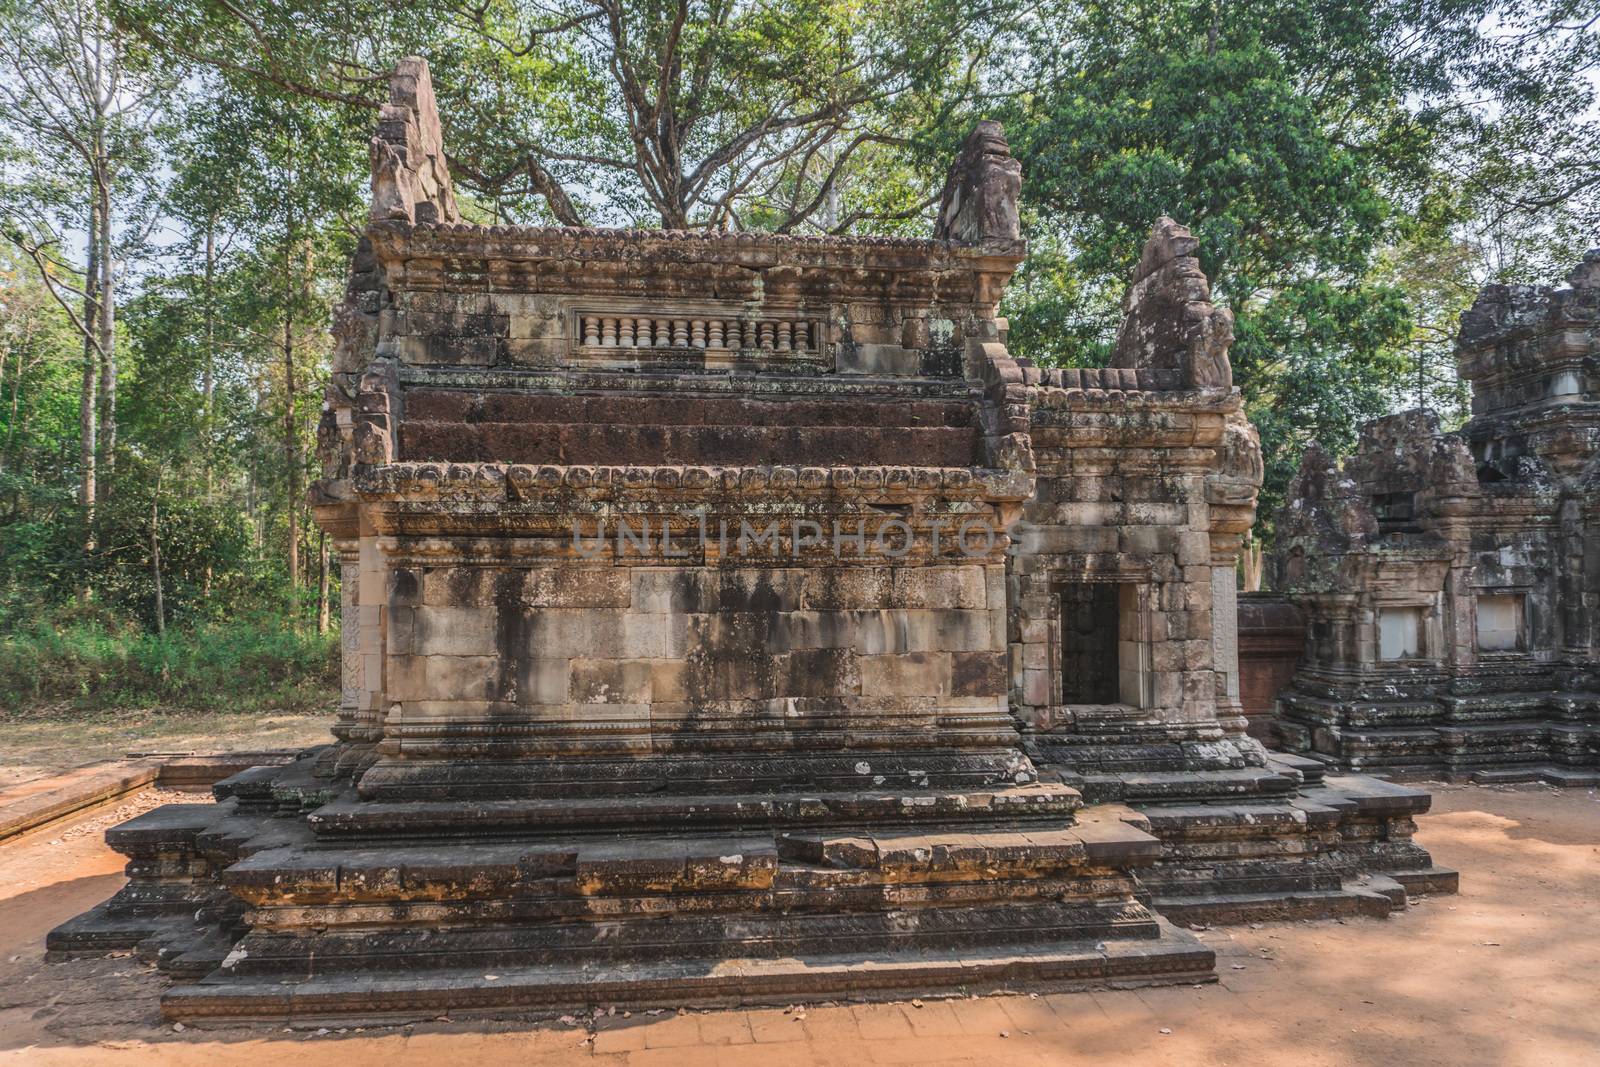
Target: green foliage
<point>1315,149</point>
<point>1354,170</point>
<point>93,663</point>
<point>721,113</point>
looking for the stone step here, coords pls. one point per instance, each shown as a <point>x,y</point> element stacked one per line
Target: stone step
<point>169,828</point>
<point>1216,908</point>
<point>190,960</point>
<point>622,865</point>
<point>1575,777</point>
<point>1140,787</point>
<point>1239,820</point>
<point>1371,796</point>
<point>1427,880</point>
<point>795,924</point>
<point>1308,765</point>
<point>925,759</point>
<point>99,931</point>
<point>352,818</point>
<point>1172,955</point>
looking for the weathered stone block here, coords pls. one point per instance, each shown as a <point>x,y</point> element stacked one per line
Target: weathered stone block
<point>823,672</point>
<point>938,587</point>
<point>905,674</point>
<point>655,636</point>
<point>1036,687</point>
<point>420,677</point>
<point>866,357</point>
<point>672,590</point>
<point>611,681</point>
<point>543,680</point>
<point>455,631</point>
<point>578,587</point>
<point>568,633</point>
<point>976,674</point>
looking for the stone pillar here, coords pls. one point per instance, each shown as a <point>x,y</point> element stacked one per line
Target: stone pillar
<point>1225,644</point>
<point>370,614</point>
<point>349,723</point>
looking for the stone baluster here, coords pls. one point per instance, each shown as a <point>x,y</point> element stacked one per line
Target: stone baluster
<point>591,330</point>
<point>625,333</point>
<point>785,336</point>
<point>663,328</point>
<point>697,333</point>
<point>608,333</point>
<point>716,336</point>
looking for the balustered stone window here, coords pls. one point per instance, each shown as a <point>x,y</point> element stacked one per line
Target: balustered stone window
<point>773,335</point>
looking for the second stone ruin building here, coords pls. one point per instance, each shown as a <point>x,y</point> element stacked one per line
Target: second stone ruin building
<point>729,618</point>
<point>1451,581</point>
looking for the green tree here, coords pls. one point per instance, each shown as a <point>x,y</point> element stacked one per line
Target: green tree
<point>687,113</point>
<point>289,172</point>
<point>80,114</point>
<point>1307,143</point>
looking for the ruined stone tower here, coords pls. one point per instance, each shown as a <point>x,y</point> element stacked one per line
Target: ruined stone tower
<point>1451,580</point>
<point>730,618</point>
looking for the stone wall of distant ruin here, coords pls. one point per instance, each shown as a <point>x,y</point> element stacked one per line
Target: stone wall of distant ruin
<point>1450,580</point>
<point>1272,636</point>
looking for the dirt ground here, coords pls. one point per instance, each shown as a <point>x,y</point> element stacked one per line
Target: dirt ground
<point>1504,974</point>
<point>37,745</point>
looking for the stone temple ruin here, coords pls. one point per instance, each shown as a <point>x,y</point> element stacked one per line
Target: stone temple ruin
<point>729,618</point>
<point>1451,580</point>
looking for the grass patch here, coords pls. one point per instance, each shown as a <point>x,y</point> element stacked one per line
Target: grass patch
<point>246,664</point>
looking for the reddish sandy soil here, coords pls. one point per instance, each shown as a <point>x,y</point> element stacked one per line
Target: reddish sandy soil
<point>1504,974</point>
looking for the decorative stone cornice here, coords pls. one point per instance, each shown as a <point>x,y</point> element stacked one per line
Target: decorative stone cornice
<point>502,482</point>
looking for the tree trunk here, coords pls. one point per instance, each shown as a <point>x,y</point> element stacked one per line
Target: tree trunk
<point>107,331</point>
<point>291,444</point>
<point>88,397</point>
<point>1254,566</point>
<point>322,581</point>
<point>208,372</point>
<point>16,386</point>
<point>155,559</point>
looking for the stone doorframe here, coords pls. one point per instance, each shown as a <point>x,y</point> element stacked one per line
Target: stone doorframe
<point>1040,650</point>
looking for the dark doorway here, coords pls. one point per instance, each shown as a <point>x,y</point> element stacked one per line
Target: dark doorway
<point>1089,667</point>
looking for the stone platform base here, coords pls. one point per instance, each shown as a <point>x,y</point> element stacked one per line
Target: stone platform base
<point>1176,956</point>
<point>293,898</point>
<point>1283,841</point>
<point>1567,777</point>
<point>1499,735</point>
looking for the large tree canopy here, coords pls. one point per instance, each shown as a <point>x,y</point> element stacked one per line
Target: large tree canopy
<point>720,113</point>
<point>1318,150</point>
<point>1354,170</point>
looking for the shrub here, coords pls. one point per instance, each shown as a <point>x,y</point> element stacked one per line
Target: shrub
<point>241,664</point>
